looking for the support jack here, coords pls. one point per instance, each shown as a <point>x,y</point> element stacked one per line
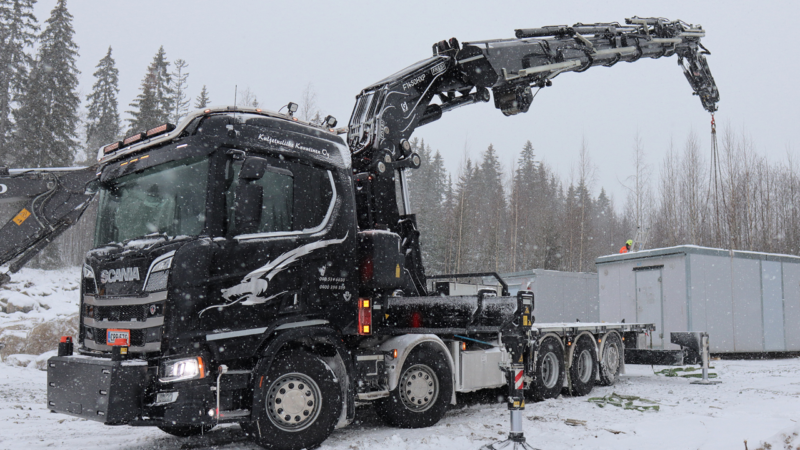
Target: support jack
<point>516,404</point>
<point>704,355</point>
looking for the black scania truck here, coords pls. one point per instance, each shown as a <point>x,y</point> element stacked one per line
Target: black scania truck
<point>252,268</point>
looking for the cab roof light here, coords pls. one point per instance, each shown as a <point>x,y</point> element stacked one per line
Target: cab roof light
<point>112,147</point>
<point>161,129</point>
<point>132,139</point>
<point>330,121</point>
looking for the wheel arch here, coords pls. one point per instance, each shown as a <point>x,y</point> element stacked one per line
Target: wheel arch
<point>549,335</point>
<point>325,343</point>
<point>406,344</point>
<point>571,350</point>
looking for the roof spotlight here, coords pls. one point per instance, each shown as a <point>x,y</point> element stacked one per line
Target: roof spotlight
<point>330,121</point>
<point>292,107</point>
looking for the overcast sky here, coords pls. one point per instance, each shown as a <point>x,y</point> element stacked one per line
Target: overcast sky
<point>276,48</point>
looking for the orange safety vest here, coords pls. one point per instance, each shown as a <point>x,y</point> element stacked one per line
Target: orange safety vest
<point>624,249</point>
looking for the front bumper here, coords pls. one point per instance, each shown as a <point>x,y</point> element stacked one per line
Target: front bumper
<point>123,392</point>
<point>96,389</point>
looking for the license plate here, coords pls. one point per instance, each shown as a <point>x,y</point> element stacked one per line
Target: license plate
<point>118,337</point>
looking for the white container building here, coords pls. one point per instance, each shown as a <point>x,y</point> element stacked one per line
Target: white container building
<point>747,301</point>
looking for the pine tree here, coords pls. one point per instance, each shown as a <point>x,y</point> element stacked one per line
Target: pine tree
<point>18,28</point>
<point>153,105</point>
<point>180,103</point>
<point>102,123</point>
<point>202,100</point>
<point>47,119</point>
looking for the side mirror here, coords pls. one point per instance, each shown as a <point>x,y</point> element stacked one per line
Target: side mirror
<point>249,197</point>
<point>253,168</point>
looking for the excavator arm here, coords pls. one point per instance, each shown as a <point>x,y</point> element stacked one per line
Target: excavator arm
<point>42,204</point>
<point>388,112</point>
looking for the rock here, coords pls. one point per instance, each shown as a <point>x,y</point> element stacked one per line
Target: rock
<point>19,302</point>
<point>20,360</point>
<point>45,336</point>
<point>41,360</point>
<point>14,343</point>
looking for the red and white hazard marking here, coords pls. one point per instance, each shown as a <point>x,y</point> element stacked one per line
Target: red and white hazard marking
<point>518,379</point>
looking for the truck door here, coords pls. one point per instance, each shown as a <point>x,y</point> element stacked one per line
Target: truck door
<point>649,303</point>
<point>270,261</point>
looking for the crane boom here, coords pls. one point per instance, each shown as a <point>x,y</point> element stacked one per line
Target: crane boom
<point>389,111</point>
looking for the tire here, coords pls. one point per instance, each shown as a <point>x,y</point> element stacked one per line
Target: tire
<point>611,360</point>
<point>548,376</point>
<point>304,383</point>
<point>186,430</point>
<point>583,370</point>
<point>423,390</point>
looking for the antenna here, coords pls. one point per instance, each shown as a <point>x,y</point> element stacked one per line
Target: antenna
<point>235,92</point>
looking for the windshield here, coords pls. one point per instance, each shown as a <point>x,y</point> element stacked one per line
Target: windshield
<point>167,199</point>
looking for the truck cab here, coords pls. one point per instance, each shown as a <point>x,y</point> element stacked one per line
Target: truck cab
<point>235,224</point>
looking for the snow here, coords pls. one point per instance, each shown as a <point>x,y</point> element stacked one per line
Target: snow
<point>758,401</point>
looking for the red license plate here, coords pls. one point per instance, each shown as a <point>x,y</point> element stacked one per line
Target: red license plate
<point>118,337</point>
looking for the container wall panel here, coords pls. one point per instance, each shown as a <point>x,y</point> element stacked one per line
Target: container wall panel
<point>610,296</point>
<point>748,330</point>
<point>791,306</point>
<point>674,297</point>
<point>772,306</point>
<point>711,300</point>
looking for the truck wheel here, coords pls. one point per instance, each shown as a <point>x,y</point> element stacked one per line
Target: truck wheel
<point>583,370</point>
<point>186,430</point>
<point>296,402</point>
<point>422,393</point>
<point>548,377</point>
<point>611,360</point>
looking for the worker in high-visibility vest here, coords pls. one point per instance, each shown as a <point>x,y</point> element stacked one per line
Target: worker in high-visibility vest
<point>627,247</point>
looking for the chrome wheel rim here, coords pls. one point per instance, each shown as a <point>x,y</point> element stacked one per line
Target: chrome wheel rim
<point>419,388</point>
<point>549,370</point>
<point>611,359</point>
<point>293,402</point>
<point>584,366</point>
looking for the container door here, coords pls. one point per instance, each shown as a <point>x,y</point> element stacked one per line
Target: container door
<point>648,303</point>
<point>772,301</point>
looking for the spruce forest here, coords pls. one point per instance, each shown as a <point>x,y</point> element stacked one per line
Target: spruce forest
<point>488,216</point>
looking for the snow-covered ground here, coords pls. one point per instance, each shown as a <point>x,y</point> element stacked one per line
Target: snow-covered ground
<point>758,401</point>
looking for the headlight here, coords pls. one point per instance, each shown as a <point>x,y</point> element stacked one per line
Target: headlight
<point>182,369</point>
<point>162,265</point>
<point>89,283</point>
<point>158,275</point>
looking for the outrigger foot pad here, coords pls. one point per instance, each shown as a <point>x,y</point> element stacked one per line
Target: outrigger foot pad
<point>512,443</point>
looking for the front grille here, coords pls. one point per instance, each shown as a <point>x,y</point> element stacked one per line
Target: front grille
<point>124,313</point>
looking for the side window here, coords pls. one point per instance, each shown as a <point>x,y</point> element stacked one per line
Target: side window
<point>313,196</point>
<point>296,197</point>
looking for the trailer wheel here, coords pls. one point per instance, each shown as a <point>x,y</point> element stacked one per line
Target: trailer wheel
<point>549,373</point>
<point>185,430</point>
<point>583,370</point>
<point>422,393</point>
<point>296,402</point>
<point>611,360</point>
